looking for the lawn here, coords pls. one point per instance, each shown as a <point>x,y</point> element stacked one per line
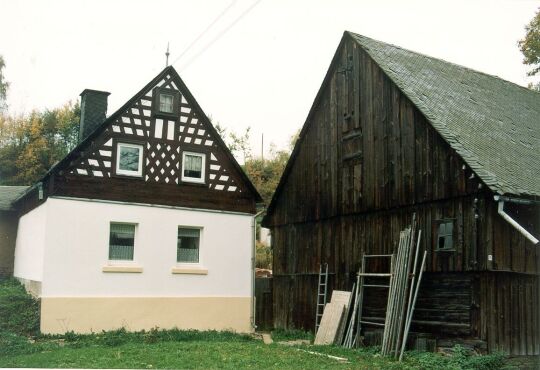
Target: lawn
<point>21,345</point>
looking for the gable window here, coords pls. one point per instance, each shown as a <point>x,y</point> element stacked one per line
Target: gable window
<point>129,159</point>
<point>188,245</point>
<point>166,102</point>
<point>445,235</point>
<point>121,241</point>
<point>193,167</point>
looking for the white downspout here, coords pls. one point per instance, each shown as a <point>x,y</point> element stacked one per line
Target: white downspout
<point>513,222</point>
<point>253,252</point>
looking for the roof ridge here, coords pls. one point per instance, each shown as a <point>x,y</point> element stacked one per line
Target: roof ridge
<point>357,35</point>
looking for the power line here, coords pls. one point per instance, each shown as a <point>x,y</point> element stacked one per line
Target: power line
<point>219,16</point>
<point>220,35</point>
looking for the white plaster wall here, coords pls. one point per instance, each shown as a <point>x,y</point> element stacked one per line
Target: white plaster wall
<point>78,244</point>
<point>30,244</point>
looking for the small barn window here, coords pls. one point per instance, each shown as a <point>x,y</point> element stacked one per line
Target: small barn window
<point>188,245</point>
<point>129,159</point>
<point>193,167</point>
<point>121,241</point>
<point>445,235</point>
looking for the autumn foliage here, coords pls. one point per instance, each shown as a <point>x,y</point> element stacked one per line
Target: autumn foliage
<point>30,144</point>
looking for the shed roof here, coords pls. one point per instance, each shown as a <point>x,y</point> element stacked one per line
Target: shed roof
<point>8,194</point>
<point>493,124</point>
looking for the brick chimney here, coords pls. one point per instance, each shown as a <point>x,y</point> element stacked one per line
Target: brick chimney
<point>93,111</point>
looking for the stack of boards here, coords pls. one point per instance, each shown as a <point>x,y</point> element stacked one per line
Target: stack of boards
<point>339,325</point>
<point>332,325</point>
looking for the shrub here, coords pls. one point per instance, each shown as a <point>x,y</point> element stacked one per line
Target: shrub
<point>19,311</point>
<point>291,334</point>
<point>13,344</point>
<point>115,338</point>
<point>461,359</point>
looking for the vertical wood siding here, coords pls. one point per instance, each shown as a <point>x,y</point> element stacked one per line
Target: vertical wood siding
<point>367,160</point>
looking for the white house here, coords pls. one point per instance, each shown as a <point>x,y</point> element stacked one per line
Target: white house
<point>148,222</point>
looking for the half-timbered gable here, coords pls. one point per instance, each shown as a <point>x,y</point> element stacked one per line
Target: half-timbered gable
<point>161,141</point>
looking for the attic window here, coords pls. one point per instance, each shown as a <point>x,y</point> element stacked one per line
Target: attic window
<point>166,102</point>
<point>445,235</point>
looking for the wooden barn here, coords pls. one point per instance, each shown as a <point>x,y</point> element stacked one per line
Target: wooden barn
<point>391,133</point>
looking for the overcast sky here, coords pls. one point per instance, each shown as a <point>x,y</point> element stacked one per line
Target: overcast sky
<point>256,63</point>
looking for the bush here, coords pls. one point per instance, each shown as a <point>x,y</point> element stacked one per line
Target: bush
<point>263,256</point>
<point>115,338</point>
<point>13,344</point>
<point>19,311</point>
<point>461,359</point>
<point>291,334</point>
<point>119,337</point>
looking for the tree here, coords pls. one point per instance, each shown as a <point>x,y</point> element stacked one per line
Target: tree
<point>31,144</point>
<point>530,47</point>
<point>3,85</point>
<point>265,174</point>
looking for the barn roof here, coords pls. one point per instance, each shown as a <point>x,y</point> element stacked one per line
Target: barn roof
<point>8,194</point>
<point>493,124</point>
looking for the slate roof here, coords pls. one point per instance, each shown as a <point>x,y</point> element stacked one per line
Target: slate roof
<point>493,124</point>
<point>8,194</point>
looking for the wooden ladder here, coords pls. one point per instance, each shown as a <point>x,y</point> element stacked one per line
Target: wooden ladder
<point>322,289</point>
<point>362,274</point>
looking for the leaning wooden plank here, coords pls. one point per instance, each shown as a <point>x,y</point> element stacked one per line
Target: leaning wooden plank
<point>332,316</point>
<point>343,325</point>
<point>349,334</point>
<point>392,294</point>
<point>403,290</point>
<point>410,314</point>
<point>340,296</point>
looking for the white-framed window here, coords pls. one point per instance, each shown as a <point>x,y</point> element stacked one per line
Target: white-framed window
<point>121,241</point>
<point>193,167</point>
<point>188,245</point>
<point>129,159</point>
<point>166,103</point>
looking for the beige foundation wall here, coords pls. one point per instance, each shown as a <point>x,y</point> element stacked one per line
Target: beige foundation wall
<point>94,314</point>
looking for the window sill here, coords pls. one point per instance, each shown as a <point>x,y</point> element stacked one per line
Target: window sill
<point>189,271</point>
<point>125,269</point>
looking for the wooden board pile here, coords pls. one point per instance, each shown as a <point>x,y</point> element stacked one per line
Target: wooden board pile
<point>402,294</point>
<point>342,317</point>
<point>332,319</point>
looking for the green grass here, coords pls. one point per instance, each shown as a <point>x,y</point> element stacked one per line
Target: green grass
<point>225,354</point>
<point>22,346</point>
